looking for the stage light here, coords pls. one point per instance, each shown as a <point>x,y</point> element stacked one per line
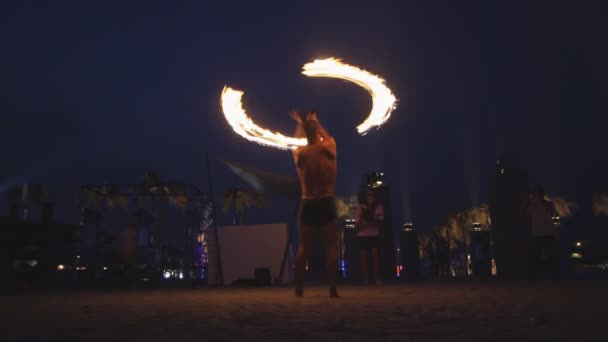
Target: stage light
<point>408,227</point>
<point>556,220</point>
<point>375,179</point>
<point>350,223</point>
<point>60,267</point>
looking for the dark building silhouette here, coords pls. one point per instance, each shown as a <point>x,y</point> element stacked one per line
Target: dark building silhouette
<point>510,228</point>
<point>33,252</point>
<point>409,253</point>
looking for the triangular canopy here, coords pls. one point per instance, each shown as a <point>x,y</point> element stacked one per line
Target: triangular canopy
<point>265,181</point>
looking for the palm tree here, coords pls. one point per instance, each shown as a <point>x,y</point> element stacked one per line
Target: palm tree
<point>563,206</point>
<point>600,204</point>
<point>342,208</point>
<point>424,240</point>
<point>239,199</point>
<point>176,195</point>
<point>456,232</point>
<point>479,215</point>
<point>442,239</point>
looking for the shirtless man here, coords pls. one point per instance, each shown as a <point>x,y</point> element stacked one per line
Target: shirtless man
<point>316,165</point>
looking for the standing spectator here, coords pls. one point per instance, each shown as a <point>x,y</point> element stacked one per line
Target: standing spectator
<point>368,218</point>
<point>542,253</point>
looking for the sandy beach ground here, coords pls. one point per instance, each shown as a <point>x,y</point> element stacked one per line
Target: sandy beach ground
<point>451,311</point>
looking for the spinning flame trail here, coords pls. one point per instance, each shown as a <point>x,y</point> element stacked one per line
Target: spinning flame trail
<point>383,103</point>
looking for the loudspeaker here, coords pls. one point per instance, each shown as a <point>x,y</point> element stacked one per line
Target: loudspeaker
<point>352,262</point>
<point>262,277</point>
<point>481,254</point>
<point>410,256</point>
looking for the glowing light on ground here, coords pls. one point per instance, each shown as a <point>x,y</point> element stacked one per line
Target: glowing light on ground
<point>383,103</point>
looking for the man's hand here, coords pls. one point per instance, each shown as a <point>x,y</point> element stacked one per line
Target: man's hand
<point>299,133</point>
<point>296,116</point>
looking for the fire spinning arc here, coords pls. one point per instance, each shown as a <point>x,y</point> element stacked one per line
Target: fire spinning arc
<point>383,103</point>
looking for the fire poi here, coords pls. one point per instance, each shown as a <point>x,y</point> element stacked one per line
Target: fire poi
<point>383,103</point>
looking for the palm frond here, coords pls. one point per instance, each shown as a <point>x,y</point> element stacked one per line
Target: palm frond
<point>228,199</point>
<point>479,215</point>
<point>563,206</point>
<point>151,181</point>
<point>342,208</point>
<point>600,204</point>
<point>176,195</point>
<point>180,201</point>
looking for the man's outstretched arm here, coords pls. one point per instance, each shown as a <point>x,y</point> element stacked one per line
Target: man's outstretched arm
<point>299,133</point>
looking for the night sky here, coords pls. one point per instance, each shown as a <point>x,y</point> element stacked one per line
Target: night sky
<point>101,92</point>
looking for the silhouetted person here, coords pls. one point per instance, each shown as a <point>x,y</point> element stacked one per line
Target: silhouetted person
<point>443,256</point>
<point>316,166</point>
<point>128,251</point>
<point>368,218</point>
<point>542,253</point>
<point>510,227</point>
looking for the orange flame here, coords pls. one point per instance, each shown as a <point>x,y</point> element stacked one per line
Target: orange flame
<point>384,102</point>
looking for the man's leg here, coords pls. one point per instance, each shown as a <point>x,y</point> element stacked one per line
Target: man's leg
<point>535,258</point>
<point>551,257</point>
<point>376,263</point>
<point>330,237</point>
<point>364,260</point>
<point>305,244</point>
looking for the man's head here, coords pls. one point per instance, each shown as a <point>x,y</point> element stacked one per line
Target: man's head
<point>311,128</point>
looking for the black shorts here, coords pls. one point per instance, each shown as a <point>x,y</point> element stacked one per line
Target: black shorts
<point>369,242</point>
<point>318,211</point>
